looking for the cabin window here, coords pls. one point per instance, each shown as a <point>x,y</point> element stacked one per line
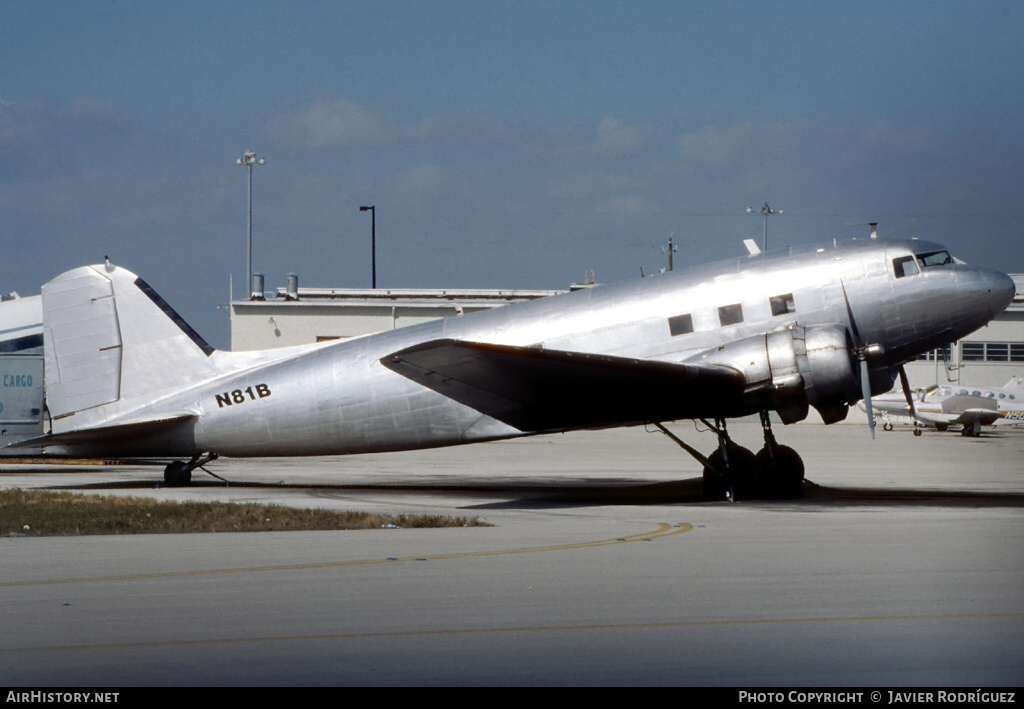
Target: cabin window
<point>905,266</point>
<point>782,304</point>
<point>680,325</point>
<point>730,314</point>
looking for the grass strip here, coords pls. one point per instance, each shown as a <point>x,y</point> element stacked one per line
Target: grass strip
<point>41,513</point>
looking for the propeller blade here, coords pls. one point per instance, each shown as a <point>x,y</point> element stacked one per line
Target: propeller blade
<point>863,351</point>
<point>905,383</point>
<point>865,385</point>
<point>849,314</point>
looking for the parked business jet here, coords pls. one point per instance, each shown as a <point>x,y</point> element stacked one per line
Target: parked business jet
<point>775,331</point>
<point>942,406</point>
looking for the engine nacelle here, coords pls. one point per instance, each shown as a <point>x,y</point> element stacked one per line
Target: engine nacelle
<point>787,370</point>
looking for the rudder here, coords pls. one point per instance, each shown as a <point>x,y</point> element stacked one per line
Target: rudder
<point>112,343</point>
<point>81,342</point>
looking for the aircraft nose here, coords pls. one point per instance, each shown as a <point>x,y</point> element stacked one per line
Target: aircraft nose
<point>1001,291</point>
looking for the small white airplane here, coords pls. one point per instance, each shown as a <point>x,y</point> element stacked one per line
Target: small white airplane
<point>775,331</point>
<point>945,405</point>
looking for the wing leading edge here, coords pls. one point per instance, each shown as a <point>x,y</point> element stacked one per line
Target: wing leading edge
<point>538,390</point>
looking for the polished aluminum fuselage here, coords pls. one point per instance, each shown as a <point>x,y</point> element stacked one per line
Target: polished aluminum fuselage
<point>338,398</point>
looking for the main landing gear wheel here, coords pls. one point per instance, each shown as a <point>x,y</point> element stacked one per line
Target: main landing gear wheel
<point>782,472</point>
<point>734,473</point>
<point>731,473</point>
<point>780,467</point>
<point>971,430</point>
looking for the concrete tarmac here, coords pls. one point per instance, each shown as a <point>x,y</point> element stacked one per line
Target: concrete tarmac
<point>902,566</point>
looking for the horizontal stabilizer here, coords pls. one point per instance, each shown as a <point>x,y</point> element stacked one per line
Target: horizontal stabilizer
<point>536,390</point>
<point>118,439</point>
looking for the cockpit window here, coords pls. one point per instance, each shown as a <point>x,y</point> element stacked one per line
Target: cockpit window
<point>934,258</point>
<point>905,266</point>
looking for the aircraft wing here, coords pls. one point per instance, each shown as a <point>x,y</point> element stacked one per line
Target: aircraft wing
<point>889,406</point>
<point>985,417</point>
<point>534,389</point>
<point>970,409</point>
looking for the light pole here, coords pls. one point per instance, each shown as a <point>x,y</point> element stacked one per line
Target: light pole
<point>373,239</point>
<point>250,159</point>
<point>766,211</point>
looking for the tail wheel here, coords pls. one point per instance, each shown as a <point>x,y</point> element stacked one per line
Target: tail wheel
<point>178,474</point>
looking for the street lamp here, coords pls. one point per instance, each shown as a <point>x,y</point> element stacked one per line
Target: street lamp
<point>766,211</point>
<point>250,159</point>
<point>373,239</point>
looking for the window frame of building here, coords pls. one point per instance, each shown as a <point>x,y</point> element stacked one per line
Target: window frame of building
<point>992,352</point>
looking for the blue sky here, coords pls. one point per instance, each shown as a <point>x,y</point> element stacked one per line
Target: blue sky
<point>504,144</point>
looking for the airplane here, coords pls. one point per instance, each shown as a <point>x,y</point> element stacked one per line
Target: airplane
<point>778,331</point>
<point>942,406</point>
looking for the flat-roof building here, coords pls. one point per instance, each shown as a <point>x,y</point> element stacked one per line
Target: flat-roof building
<point>305,315</point>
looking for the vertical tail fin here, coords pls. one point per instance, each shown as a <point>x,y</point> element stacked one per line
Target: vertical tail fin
<point>111,343</point>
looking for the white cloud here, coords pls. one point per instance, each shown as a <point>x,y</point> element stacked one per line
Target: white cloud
<point>84,106</point>
<point>424,178</point>
<point>616,137</point>
<point>339,123</point>
<point>787,142</point>
<point>625,204</point>
<point>714,146</point>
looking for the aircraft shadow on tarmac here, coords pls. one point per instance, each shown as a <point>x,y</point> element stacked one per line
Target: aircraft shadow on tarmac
<point>590,493</point>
